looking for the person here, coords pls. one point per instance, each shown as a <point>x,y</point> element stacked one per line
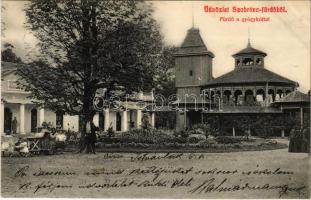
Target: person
<point>14,125</point>
<point>22,147</point>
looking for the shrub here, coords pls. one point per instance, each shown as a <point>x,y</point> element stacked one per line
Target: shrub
<point>110,132</point>
<point>227,140</point>
<point>195,138</point>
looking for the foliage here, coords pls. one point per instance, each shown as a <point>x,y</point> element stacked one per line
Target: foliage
<point>165,75</point>
<point>110,132</point>
<point>195,138</point>
<point>87,46</point>
<point>145,122</point>
<point>165,120</point>
<point>8,54</point>
<point>227,140</point>
<point>300,140</point>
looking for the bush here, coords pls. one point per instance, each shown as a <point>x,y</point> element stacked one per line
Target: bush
<point>110,132</point>
<point>195,138</point>
<point>227,140</point>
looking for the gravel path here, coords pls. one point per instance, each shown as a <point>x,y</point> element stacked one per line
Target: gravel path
<point>159,175</point>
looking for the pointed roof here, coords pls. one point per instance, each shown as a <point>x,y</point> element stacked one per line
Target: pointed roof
<point>249,50</point>
<point>244,75</point>
<point>193,44</point>
<point>295,96</point>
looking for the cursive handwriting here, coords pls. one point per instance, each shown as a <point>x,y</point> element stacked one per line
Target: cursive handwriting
<point>211,185</point>
<point>147,156</point>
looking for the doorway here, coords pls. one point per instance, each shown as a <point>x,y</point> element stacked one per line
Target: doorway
<point>118,122</point>
<point>7,121</point>
<point>34,120</point>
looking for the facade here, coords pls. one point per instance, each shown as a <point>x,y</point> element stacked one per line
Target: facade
<point>20,115</point>
<point>249,89</point>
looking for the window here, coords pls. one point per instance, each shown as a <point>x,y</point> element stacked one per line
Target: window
<point>248,61</point>
<point>12,85</point>
<point>258,61</point>
<point>238,62</point>
<point>190,73</point>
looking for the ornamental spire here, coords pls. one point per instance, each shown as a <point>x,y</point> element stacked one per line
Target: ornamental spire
<point>249,40</point>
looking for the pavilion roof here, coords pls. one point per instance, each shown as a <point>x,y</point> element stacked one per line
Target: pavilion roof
<point>295,96</point>
<point>242,75</point>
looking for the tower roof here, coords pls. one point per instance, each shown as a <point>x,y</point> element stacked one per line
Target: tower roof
<point>193,44</point>
<point>249,50</point>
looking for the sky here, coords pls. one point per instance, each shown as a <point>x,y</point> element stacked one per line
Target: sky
<point>285,38</point>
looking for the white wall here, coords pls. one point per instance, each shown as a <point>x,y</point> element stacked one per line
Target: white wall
<point>71,122</point>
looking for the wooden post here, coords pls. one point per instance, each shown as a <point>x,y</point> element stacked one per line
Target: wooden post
<point>233,131</point>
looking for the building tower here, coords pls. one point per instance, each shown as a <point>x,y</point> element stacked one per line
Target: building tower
<point>193,69</point>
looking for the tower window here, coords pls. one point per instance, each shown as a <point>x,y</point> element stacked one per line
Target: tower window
<point>258,61</point>
<point>190,73</point>
<point>248,61</point>
<point>238,62</point>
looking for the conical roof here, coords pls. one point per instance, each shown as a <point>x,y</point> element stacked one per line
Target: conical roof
<point>193,44</point>
<point>249,50</point>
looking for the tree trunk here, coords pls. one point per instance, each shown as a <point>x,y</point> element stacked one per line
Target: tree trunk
<point>88,136</point>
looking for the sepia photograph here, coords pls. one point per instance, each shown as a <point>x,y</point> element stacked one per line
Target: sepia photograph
<point>155,99</point>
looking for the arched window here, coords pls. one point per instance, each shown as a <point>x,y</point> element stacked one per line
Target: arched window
<point>237,93</point>
<point>260,95</point>
<point>249,97</point>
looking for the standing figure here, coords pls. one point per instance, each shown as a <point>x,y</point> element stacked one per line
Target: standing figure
<point>14,125</point>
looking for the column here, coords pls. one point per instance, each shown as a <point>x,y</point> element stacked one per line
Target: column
<point>301,117</point>
<point>124,123</point>
<point>2,118</point>
<point>106,122</point>
<point>283,133</point>
<point>96,119</point>
<point>41,116</point>
<point>152,119</point>
<point>233,131</point>
<point>138,118</point>
<point>22,119</point>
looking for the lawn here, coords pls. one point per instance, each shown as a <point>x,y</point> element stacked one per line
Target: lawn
<point>249,174</point>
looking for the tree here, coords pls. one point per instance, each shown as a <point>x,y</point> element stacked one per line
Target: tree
<point>88,45</point>
<point>165,86</point>
<point>8,54</point>
<point>165,76</point>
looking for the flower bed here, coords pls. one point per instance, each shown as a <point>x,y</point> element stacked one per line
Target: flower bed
<point>139,140</point>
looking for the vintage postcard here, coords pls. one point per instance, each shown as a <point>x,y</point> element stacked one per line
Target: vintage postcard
<point>155,99</point>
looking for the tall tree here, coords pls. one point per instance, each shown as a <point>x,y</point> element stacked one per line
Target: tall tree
<point>87,45</point>
<point>8,54</point>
